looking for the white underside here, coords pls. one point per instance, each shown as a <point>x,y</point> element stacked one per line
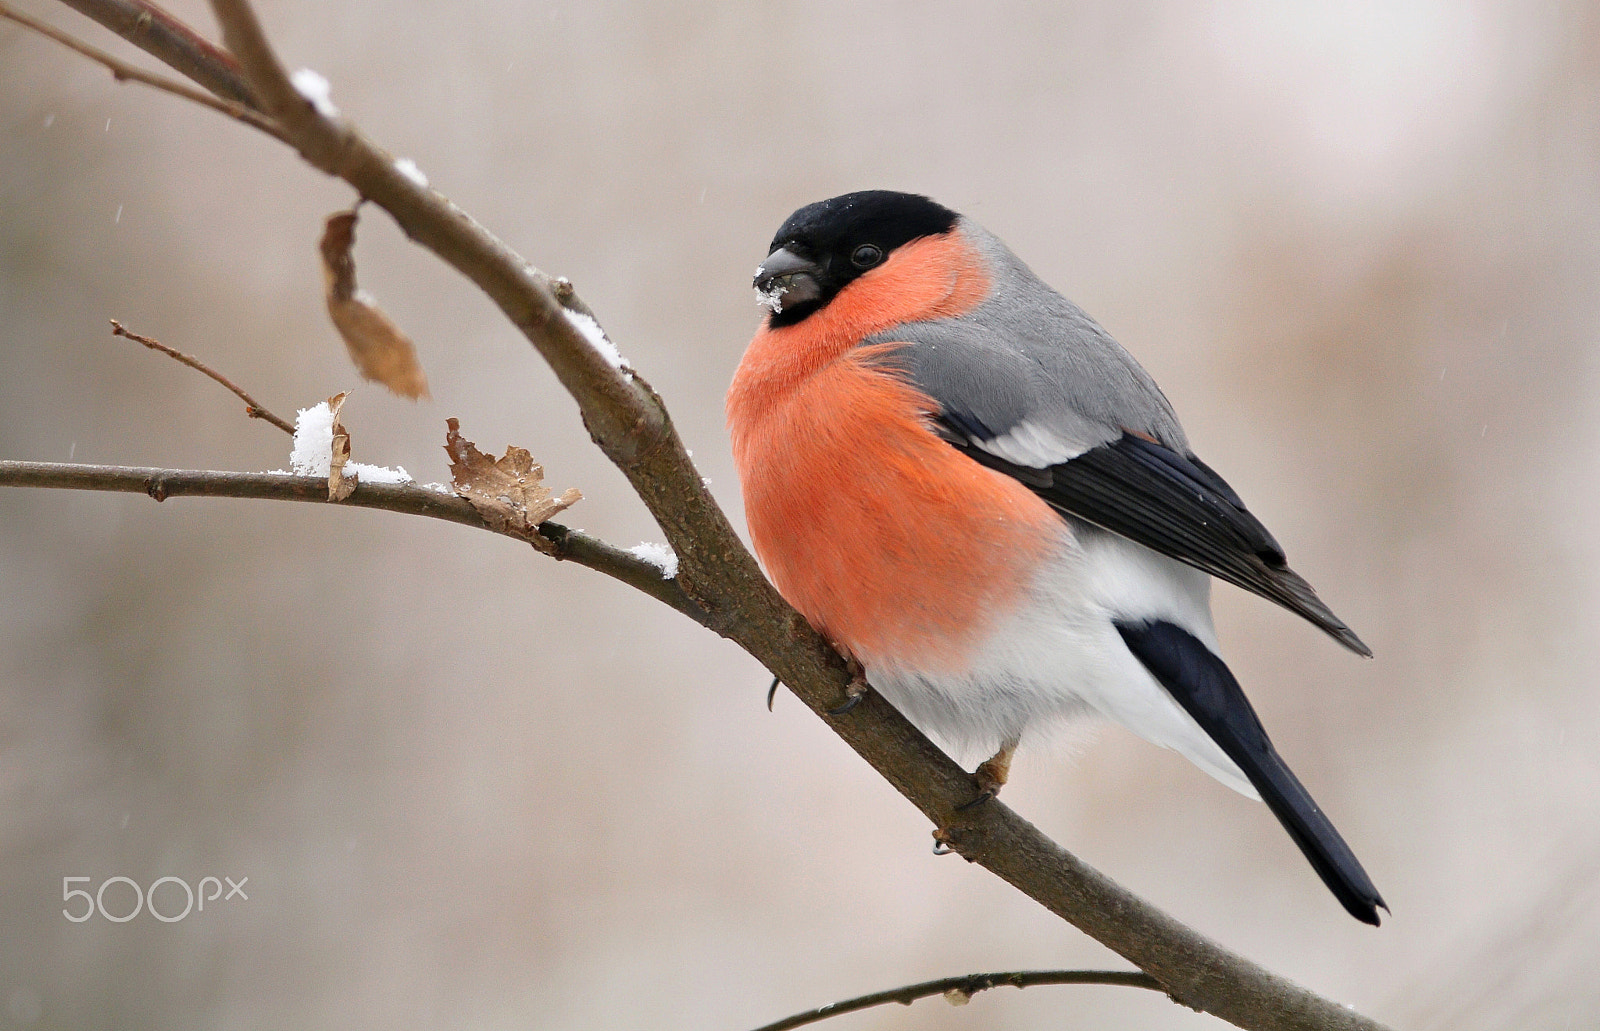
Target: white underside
<point>1059,657</point>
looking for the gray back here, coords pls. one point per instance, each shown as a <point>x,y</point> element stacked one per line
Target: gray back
<point>1032,372</point>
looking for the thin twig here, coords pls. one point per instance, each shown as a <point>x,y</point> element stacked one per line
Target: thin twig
<point>408,499</point>
<point>153,30</point>
<point>253,408</point>
<point>121,70</point>
<point>959,989</point>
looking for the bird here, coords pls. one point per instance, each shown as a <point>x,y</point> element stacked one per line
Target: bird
<point>975,493</point>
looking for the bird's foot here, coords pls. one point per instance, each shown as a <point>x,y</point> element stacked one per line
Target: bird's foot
<point>991,775</point>
<point>853,691</point>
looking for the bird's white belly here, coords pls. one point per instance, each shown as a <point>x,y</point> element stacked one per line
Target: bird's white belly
<point>1058,656</point>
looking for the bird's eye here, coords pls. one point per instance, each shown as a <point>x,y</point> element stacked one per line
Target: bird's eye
<point>866,256</point>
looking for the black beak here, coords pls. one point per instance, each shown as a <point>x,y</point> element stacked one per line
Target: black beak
<point>786,279</point>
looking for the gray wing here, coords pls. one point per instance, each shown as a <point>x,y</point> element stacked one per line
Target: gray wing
<point>1040,378</point>
<point>1031,386</point>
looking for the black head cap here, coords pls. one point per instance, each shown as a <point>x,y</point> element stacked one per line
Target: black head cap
<point>838,239</point>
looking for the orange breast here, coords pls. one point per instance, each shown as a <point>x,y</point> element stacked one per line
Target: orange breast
<point>887,539</point>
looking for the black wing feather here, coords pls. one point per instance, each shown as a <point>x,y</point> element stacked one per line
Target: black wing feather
<point>1208,692</point>
<point>1171,503</point>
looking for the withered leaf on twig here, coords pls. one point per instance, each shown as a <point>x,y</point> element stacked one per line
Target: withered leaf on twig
<point>381,352</point>
<point>509,492</point>
<point>339,487</point>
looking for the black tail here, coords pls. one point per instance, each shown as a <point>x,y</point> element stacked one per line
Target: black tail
<point>1203,685</point>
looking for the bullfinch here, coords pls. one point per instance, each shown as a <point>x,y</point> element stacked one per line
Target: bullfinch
<point>966,484</point>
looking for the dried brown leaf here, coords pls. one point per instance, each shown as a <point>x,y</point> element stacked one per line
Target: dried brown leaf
<point>508,492</point>
<point>339,487</point>
<point>380,351</point>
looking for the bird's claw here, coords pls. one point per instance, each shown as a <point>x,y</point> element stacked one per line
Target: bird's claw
<point>943,841</point>
<point>984,794</point>
<point>853,693</point>
<point>991,775</point>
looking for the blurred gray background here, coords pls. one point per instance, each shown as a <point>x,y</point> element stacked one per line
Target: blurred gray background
<point>1356,243</point>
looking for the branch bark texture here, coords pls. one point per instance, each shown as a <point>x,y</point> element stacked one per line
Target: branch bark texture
<point>560,542</point>
<point>629,423</point>
<point>121,70</point>
<point>175,44</point>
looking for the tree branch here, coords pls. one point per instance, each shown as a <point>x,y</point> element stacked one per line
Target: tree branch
<point>628,422</point>
<point>121,70</point>
<point>960,989</point>
<point>175,44</point>
<point>408,499</point>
